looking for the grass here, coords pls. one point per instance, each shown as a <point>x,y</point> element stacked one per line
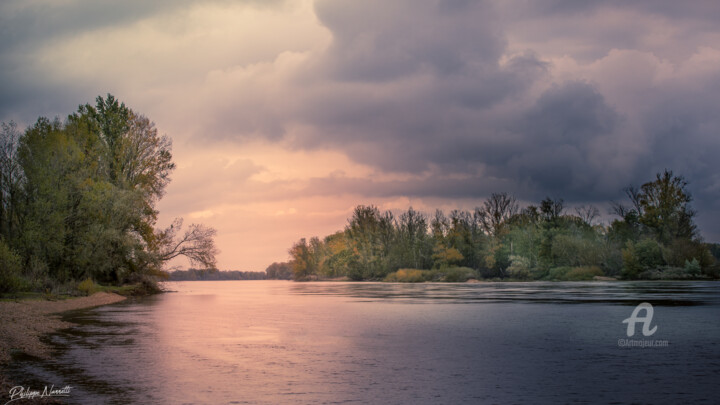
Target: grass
<point>88,287</point>
<point>85,288</point>
<point>449,274</point>
<point>581,273</point>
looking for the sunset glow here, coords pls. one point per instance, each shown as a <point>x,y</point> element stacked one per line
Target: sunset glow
<point>285,115</point>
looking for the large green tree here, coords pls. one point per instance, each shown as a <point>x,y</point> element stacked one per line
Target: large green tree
<point>78,196</point>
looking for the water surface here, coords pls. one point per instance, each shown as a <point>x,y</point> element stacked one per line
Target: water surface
<point>274,342</point>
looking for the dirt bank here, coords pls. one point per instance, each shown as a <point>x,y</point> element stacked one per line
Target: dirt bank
<point>23,322</point>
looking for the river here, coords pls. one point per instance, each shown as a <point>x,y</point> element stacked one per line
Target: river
<point>277,342</point>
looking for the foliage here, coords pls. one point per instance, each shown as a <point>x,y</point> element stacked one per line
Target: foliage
<point>693,267</point>
<point>520,268</point>
<point>78,198</point>
<point>214,275</point>
<point>408,276</point>
<point>88,287</point>
<point>279,271</point>
<point>664,207</point>
<point>447,274</point>
<point>641,256</point>
<point>578,273</point>
<point>500,240</point>
<point>10,270</point>
<point>456,274</point>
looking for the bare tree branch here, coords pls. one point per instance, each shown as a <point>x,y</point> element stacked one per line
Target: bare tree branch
<point>497,209</point>
<point>588,213</point>
<point>197,244</point>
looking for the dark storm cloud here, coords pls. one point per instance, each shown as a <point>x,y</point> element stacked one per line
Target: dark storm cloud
<point>573,99</point>
<point>557,138</point>
<point>458,119</point>
<point>702,10</point>
<point>428,86</point>
<point>379,40</point>
<point>413,83</point>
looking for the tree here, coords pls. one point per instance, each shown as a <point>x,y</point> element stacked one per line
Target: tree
<point>363,232</point>
<point>77,198</point>
<point>196,244</point>
<point>643,255</point>
<point>496,211</point>
<point>301,260</point>
<point>444,256</point>
<point>10,179</point>
<point>339,255</point>
<point>413,239</point>
<point>587,214</point>
<point>279,271</point>
<point>664,207</point>
<point>55,183</point>
<point>551,210</point>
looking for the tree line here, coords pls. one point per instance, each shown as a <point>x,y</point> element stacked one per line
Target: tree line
<point>215,275</point>
<point>78,198</point>
<point>653,237</point>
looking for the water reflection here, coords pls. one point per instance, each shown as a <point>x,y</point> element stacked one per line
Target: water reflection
<point>624,293</point>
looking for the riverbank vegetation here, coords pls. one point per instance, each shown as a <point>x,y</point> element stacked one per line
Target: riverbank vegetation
<point>78,198</point>
<point>215,275</point>
<point>653,237</point>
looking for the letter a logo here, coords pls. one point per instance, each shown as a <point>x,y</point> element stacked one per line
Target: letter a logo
<point>634,318</point>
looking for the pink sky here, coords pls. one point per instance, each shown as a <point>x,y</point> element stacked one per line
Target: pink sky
<point>287,114</point>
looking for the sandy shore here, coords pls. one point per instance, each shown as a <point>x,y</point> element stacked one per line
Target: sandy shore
<point>23,322</point>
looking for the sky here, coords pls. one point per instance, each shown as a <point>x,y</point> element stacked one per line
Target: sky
<point>286,114</point>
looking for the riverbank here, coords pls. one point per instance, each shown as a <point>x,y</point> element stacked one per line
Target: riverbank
<point>23,322</point>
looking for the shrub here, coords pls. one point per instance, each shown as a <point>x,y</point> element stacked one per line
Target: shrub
<point>680,251</point>
<point>575,250</point>
<point>580,273</point>
<point>692,267</point>
<point>646,254</point>
<point>583,273</point>
<point>668,273</point>
<point>88,287</point>
<point>454,274</point>
<point>460,274</point>
<point>408,276</point>
<point>38,275</point>
<point>557,273</point>
<point>519,267</point>
<point>10,270</point>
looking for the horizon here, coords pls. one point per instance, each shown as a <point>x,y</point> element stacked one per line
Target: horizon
<point>284,116</point>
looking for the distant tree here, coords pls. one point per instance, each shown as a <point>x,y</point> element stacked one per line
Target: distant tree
<point>339,254</point>
<point>643,255</point>
<point>10,180</point>
<point>587,214</point>
<point>302,260</point>
<point>364,234</point>
<point>444,256</point>
<point>413,239</point>
<point>551,210</point>
<point>496,211</point>
<point>279,271</point>
<point>664,207</point>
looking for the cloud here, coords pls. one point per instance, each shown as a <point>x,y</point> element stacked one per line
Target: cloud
<point>276,106</point>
